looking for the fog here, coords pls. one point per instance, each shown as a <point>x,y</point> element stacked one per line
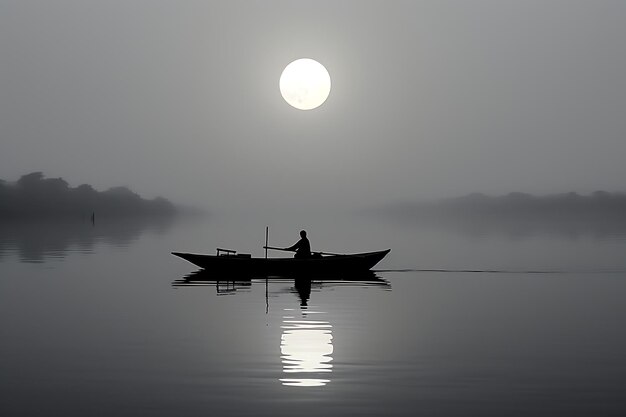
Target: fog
<point>429,98</point>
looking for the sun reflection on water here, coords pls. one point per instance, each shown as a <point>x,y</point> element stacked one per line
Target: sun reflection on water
<point>306,348</point>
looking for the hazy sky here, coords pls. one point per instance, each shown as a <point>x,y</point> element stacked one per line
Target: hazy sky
<point>429,98</point>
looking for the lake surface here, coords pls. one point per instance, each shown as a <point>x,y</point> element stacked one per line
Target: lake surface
<point>458,320</point>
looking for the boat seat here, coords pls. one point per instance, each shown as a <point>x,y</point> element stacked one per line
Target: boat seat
<point>236,255</point>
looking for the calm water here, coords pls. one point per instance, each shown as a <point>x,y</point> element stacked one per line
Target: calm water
<point>101,321</point>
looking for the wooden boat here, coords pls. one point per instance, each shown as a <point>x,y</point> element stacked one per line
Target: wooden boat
<point>231,262</point>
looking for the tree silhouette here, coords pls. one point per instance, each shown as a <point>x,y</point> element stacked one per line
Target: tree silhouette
<point>33,195</point>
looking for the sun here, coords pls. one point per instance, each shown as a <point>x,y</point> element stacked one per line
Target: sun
<point>305,84</point>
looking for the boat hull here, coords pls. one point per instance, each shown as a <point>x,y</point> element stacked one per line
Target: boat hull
<point>335,264</point>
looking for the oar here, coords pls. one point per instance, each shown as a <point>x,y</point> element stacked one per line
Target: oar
<point>289,250</point>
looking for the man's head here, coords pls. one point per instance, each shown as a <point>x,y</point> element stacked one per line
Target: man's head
<point>302,233</point>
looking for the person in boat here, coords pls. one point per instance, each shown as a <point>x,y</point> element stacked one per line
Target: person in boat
<point>302,247</point>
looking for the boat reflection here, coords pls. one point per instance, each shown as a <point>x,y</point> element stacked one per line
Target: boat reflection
<point>306,342</point>
<point>229,284</point>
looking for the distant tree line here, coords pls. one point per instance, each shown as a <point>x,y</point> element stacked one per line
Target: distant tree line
<point>600,204</point>
<point>33,195</point>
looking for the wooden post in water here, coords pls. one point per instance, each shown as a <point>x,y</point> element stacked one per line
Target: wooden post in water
<point>267,300</point>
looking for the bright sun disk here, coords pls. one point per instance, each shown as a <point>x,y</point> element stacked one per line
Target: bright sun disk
<point>305,84</point>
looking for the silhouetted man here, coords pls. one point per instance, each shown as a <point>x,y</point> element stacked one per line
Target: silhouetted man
<point>302,247</point>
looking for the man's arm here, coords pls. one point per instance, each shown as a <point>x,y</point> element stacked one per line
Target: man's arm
<point>295,246</point>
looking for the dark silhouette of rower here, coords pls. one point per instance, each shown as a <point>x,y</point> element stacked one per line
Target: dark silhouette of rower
<point>303,287</point>
<point>302,247</point>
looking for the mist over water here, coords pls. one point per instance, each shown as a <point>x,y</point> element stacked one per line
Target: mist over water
<point>485,306</point>
<point>103,319</point>
<point>430,98</point>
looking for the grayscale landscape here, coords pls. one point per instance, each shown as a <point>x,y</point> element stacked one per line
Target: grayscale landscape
<point>197,199</point>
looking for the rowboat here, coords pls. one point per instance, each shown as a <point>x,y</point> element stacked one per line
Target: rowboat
<point>233,263</point>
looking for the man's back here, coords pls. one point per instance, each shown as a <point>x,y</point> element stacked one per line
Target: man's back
<point>302,247</point>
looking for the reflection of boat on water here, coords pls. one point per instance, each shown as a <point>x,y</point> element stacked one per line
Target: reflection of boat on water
<point>306,341</point>
<point>231,262</point>
<point>228,283</point>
